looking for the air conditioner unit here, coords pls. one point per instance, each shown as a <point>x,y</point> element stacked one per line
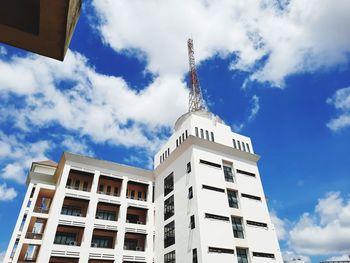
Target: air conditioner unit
<point>138,248</point>
<point>73,243</point>
<point>93,244</point>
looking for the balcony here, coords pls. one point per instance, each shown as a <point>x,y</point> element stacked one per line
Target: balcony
<point>68,235</point>
<point>43,202</point>
<point>137,191</point>
<point>103,238</point>
<point>79,180</point>
<point>107,211</point>
<point>74,207</point>
<point>36,228</point>
<point>28,253</point>
<point>134,242</point>
<point>136,215</point>
<point>63,260</point>
<point>109,186</point>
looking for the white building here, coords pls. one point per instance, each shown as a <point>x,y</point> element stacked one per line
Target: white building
<point>202,203</point>
<point>208,205</point>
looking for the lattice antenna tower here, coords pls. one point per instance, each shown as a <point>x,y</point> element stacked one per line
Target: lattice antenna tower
<point>196,101</point>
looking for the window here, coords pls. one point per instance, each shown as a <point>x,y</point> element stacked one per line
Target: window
<point>168,151</point>
<point>169,257</point>
<point>85,186</point>
<point>243,145</point>
<point>100,188</point>
<point>183,137</point>
<point>202,134</point>
<point>197,132</point>
<point>169,184</point>
<point>180,140</point>
<point>212,137</point>
<point>102,241</point>
<point>239,145</point>
<point>208,187</point>
<point>109,188</point>
<point>210,163</point>
<point>71,210</point>
<point>192,223</point>
<point>190,193</point>
<point>228,174</point>
<point>132,195</point>
<point>254,223</point>
<point>69,182</point>
<point>116,191</point>
<point>169,234</point>
<point>237,227</point>
<point>177,142</point>
<point>188,169</point>
<point>76,185</point>
<point>217,217</point>
<point>242,256</point>
<point>264,255</point>
<point>251,197</point>
<point>234,143</point>
<point>246,173</point>
<point>160,159</point>
<point>194,256</point>
<point>169,207</point>
<point>232,198</point>
<point>105,215</point>
<point>207,135</point>
<point>186,134</point>
<point>248,148</point>
<point>65,238</point>
<point>220,250</point>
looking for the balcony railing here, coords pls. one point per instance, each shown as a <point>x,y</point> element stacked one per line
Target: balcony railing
<point>133,248</point>
<point>41,210</point>
<point>78,188</point>
<point>34,236</point>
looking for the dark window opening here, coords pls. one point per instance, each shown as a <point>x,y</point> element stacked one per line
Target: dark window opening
<point>263,255</point>
<point>242,256</point>
<point>245,172</point>
<point>210,163</point>
<point>190,193</point>
<point>237,227</point>
<point>194,256</point>
<point>192,222</point>
<point>212,137</point>
<point>254,223</point>
<point>169,184</point>
<point>213,188</point>
<point>169,257</point>
<point>169,234</point>
<point>232,198</point>
<point>217,217</point>
<point>252,197</point>
<point>188,169</point>
<point>228,174</point>
<point>169,207</point>
<point>220,250</point>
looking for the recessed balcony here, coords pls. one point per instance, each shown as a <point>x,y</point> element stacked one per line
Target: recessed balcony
<point>68,235</point>
<point>36,228</point>
<point>79,180</point>
<point>28,253</point>
<point>106,211</point>
<point>63,260</point>
<point>137,191</point>
<point>109,186</point>
<point>135,242</point>
<point>43,202</point>
<point>136,215</point>
<point>103,238</point>
<point>74,207</point>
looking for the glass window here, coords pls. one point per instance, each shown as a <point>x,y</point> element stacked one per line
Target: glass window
<point>232,198</point>
<point>77,184</point>
<point>188,169</point>
<point>243,145</point>
<point>190,193</point>
<point>186,134</point>
<point>105,215</point>
<point>169,207</point>
<point>85,186</point>
<point>192,222</point>
<point>132,195</point>
<point>65,238</point>
<point>207,135</point>
<point>212,137</point>
<point>194,256</point>
<point>234,143</point>
<point>237,227</point>
<point>71,210</point>
<point>248,148</point>
<point>202,134</point>
<point>169,184</point>
<point>197,132</point>
<point>100,188</point>
<point>116,191</point>
<point>239,145</point>
<point>109,188</point>
<point>169,257</point>
<point>228,173</point>
<point>169,234</point>
<point>242,256</point>
<point>102,241</point>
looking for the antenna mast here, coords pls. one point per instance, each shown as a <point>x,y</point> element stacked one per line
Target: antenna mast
<point>196,99</point>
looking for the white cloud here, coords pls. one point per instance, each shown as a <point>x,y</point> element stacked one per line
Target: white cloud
<point>339,258</point>
<point>254,110</point>
<point>292,256</point>
<point>3,50</point>
<point>16,156</point>
<point>7,194</point>
<point>102,107</point>
<point>341,101</point>
<point>76,145</point>
<point>280,226</point>
<point>297,36</point>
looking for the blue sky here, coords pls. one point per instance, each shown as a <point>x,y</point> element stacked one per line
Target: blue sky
<point>277,71</point>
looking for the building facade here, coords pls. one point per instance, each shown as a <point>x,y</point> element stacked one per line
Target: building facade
<point>202,203</point>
